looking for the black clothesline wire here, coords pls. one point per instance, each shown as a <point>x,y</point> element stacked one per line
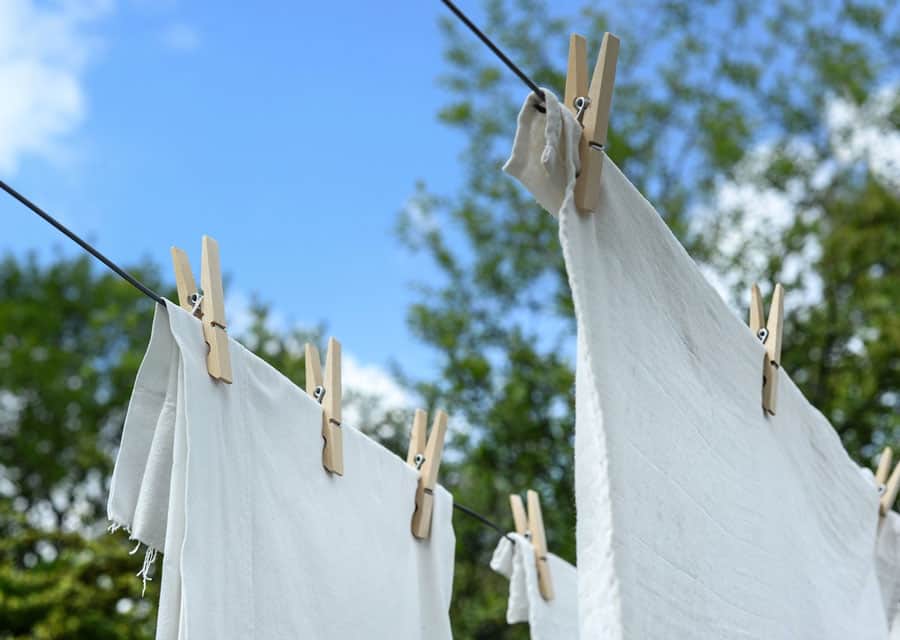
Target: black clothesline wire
<point>483,520</point>
<point>130,279</point>
<point>84,245</point>
<point>496,50</point>
<point>536,90</point>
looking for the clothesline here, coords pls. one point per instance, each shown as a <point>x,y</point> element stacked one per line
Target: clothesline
<point>83,244</point>
<point>130,279</point>
<point>496,50</point>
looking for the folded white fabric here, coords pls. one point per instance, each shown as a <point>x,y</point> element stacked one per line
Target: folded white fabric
<point>259,540</point>
<point>553,620</point>
<point>698,515</point>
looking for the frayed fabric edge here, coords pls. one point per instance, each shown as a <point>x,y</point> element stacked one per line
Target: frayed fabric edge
<point>150,555</point>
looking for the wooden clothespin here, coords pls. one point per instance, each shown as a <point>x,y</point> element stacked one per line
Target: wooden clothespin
<point>532,526</point>
<point>188,294</point>
<point>520,517</point>
<point>426,457</point>
<point>207,303</point>
<point>591,107</point>
<point>328,393</point>
<point>891,485</point>
<point>770,335</point>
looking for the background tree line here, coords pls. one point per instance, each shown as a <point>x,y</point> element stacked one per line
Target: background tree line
<point>763,135</point>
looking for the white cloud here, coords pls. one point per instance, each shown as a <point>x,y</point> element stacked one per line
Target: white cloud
<point>44,52</point>
<point>371,379</point>
<point>761,216</point>
<point>721,281</point>
<point>751,236</point>
<point>180,37</point>
<point>155,6</point>
<point>418,213</point>
<point>864,133</point>
<point>375,391</point>
<point>239,312</point>
<point>856,133</point>
<point>370,389</point>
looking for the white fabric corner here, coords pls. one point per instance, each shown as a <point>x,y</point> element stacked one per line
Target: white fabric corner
<point>541,159</point>
<point>259,540</point>
<point>146,437</point>
<point>698,515</point>
<point>553,620</point>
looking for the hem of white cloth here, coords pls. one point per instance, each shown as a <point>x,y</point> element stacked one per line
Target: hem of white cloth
<point>150,554</point>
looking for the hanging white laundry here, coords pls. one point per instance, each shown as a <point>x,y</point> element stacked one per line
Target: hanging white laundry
<point>259,540</point>
<point>887,560</point>
<point>553,620</point>
<point>698,516</point>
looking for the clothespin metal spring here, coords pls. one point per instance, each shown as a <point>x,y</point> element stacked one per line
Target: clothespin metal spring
<point>195,299</point>
<point>581,104</point>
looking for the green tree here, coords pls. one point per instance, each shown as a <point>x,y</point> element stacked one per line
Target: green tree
<point>711,98</point>
<point>57,585</point>
<point>70,344</point>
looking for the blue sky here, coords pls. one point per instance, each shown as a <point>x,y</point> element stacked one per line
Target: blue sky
<point>291,132</point>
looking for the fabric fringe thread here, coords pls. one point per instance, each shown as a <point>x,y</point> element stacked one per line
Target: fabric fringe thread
<point>149,556</point>
<point>144,573</point>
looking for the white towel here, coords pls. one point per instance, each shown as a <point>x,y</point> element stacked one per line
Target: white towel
<point>698,516</point>
<point>259,540</point>
<point>553,620</point>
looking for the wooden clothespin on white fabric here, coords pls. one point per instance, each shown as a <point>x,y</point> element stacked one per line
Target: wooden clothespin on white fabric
<point>770,335</point>
<point>188,294</point>
<point>207,303</point>
<point>520,517</point>
<point>591,106</point>
<point>426,457</point>
<point>890,486</point>
<point>328,393</point>
<point>532,526</point>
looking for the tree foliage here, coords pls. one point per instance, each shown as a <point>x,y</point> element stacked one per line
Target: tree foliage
<point>57,585</point>
<point>70,344</point>
<point>70,347</point>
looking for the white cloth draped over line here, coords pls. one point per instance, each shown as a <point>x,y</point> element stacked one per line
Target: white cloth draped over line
<point>698,516</point>
<point>259,540</point>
